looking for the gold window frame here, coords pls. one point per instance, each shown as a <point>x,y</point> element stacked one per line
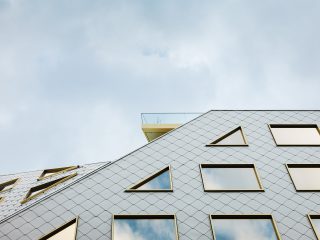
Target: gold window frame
<point>244,216</point>
<point>302,165</point>
<point>12,182</point>
<point>62,227</point>
<point>45,187</point>
<point>215,143</point>
<point>55,172</point>
<point>231,165</point>
<point>145,216</point>
<point>134,187</point>
<point>275,125</point>
<point>314,216</point>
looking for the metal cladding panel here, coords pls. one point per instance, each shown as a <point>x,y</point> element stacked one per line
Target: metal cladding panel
<point>12,197</point>
<point>98,196</point>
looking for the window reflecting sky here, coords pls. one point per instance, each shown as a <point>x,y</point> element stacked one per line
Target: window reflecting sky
<point>235,138</point>
<point>160,182</point>
<point>244,229</point>
<point>144,229</point>
<point>66,234</point>
<point>229,178</point>
<point>296,136</point>
<point>316,224</point>
<point>306,178</point>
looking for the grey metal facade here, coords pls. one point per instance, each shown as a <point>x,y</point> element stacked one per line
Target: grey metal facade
<point>26,180</point>
<point>100,194</point>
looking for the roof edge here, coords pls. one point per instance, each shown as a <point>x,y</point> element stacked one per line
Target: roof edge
<point>265,110</point>
<point>53,193</point>
<point>91,173</point>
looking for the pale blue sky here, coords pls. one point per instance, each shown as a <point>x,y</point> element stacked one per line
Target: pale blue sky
<point>75,75</point>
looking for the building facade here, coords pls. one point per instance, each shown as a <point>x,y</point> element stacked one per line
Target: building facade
<point>230,172</point>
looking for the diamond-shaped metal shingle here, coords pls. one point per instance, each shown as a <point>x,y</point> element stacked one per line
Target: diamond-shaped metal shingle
<point>96,197</point>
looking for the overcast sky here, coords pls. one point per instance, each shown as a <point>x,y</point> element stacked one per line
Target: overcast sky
<point>75,75</point>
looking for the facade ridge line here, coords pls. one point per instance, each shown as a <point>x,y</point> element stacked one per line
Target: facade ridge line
<point>91,173</point>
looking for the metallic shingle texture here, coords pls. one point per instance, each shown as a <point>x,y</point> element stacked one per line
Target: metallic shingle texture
<point>98,196</point>
<point>12,198</point>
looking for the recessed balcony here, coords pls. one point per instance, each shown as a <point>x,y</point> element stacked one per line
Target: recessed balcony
<point>156,124</point>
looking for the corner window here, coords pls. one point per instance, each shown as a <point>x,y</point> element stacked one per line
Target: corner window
<point>295,134</point>
<point>160,181</point>
<point>40,189</point>
<point>230,178</point>
<point>67,231</point>
<point>315,223</point>
<point>238,227</point>
<point>6,186</point>
<point>305,177</point>
<point>233,138</point>
<point>144,227</point>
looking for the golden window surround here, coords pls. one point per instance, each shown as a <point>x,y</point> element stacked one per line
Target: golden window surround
<point>232,165</point>
<point>145,217</point>
<point>61,228</point>
<point>55,171</point>
<point>293,126</point>
<point>244,216</point>
<point>12,182</point>
<point>314,216</point>
<point>40,189</point>
<point>149,178</point>
<point>215,143</point>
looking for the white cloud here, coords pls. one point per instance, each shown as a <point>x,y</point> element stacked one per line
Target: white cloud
<point>70,70</point>
<point>144,229</point>
<point>243,229</point>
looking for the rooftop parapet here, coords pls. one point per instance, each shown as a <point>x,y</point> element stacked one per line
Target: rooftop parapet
<point>156,124</point>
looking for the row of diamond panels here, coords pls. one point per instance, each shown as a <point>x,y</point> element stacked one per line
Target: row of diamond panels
<point>27,180</point>
<point>98,196</point>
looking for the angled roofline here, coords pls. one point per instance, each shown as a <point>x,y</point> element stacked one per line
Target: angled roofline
<point>111,163</point>
<point>39,170</point>
<point>265,110</point>
<point>53,193</point>
<point>91,173</point>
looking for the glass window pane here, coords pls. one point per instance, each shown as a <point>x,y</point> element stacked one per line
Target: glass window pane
<point>228,178</point>
<point>244,229</point>
<point>144,229</point>
<point>65,234</point>
<point>7,185</point>
<point>235,138</point>
<point>305,178</point>
<point>67,231</point>
<point>316,225</point>
<point>296,135</point>
<point>162,181</point>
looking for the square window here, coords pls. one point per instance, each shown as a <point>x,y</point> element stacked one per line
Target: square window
<point>230,178</point>
<point>305,177</point>
<point>295,134</point>
<point>238,227</point>
<point>162,227</point>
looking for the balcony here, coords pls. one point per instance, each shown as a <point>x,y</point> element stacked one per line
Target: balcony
<point>156,124</point>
